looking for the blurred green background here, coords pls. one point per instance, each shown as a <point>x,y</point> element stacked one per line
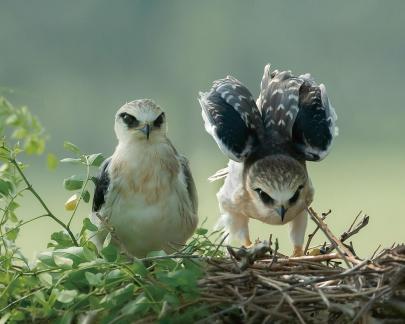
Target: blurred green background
<point>75,63</point>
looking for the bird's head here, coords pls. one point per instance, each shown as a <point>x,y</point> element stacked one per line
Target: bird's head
<point>141,120</point>
<point>280,184</point>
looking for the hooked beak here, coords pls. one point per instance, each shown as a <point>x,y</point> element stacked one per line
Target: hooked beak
<point>281,211</point>
<point>146,130</point>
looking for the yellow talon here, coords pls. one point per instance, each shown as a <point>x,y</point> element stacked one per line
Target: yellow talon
<point>298,251</point>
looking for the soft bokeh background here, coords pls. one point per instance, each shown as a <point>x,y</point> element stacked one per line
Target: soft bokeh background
<point>75,63</point>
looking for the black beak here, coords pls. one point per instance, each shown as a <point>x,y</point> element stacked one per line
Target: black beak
<point>146,130</point>
<point>281,211</point>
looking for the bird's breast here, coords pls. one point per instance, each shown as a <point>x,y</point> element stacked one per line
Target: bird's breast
<point>149,172</point>
<point>143,227</point>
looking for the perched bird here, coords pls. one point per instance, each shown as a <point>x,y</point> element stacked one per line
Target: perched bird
<point>268,143</point>
<point>145,193</point>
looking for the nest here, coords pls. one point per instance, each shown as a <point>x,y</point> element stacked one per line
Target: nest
<point>260,285</point>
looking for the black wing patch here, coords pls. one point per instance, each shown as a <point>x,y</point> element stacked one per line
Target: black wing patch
<point>232,118</point>
<point>102,183</point>
<point>312,128</point>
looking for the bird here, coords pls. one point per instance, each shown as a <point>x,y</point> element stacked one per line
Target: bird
<point>145,195</point>
<point>268,142</point>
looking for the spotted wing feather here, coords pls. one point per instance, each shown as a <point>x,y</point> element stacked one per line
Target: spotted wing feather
<point>231,117</point>
<point>297,108</point>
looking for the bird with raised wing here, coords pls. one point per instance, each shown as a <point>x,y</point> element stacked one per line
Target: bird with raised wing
<point>145,193</point>
<point>268,143</point>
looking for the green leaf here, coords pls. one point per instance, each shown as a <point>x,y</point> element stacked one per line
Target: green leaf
<point>62,239</point>
<point>76,253</point>
<point>137,306</point>
<point>52,161</point>
<point>95,159</point>
<point>62,262</point>
<point>139,268</point>
<point>94,279</point>
<point>153,254</point>
<point>4,318</point>
<point>119,296</point>
<point>68,146</point>
<point>67,318</point>
<point>45,279</point>
<point>88,225</point>
<point>12,233</point>
<point>86,196</point>
<point>73,183</point>
<point>110,253</point>
<point>67,296</point>
<point>12,120</point>
<point>201,231</point>
<point>115,275</point>
<point>5,187</point>
<point>71,160</point>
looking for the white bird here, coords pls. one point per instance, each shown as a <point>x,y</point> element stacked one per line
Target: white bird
<point>268,144</point>
<point>145,193</point>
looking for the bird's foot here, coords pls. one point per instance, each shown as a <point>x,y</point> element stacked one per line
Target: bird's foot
<point>298,251</point>
<point>248,244</point>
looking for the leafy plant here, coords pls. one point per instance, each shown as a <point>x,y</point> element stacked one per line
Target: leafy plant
<point>72,278</point>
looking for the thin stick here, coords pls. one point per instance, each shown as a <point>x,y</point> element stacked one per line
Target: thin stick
<point>311,236</point>
<point>340,248</point>
<point>354,221</point>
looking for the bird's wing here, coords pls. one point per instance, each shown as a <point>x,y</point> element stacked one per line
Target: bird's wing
<point>298,109</point>
<point>231,117</point>
<point>192,191</point>
<point>102,183</point>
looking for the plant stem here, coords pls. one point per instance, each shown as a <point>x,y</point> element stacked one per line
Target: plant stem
<point>22,224</point>
<point>81,192</point>
<point>50,214</point>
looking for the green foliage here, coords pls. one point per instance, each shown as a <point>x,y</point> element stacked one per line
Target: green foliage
<point>72,278</point>
<point>22,126</point>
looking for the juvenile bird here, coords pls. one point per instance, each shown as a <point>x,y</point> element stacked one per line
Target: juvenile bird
<point>145,193</point>
<point>268,143</point>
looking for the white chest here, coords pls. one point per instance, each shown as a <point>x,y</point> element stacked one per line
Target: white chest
<point>144,204</point>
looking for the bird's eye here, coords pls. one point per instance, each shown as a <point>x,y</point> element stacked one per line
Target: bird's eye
<point>159,121</point>
<point>294,198</point>
<point>129,120</point>
<point>266,199</point>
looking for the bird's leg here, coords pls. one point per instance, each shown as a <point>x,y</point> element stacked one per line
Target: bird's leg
<point>237,225</point>
<point>297,232</point>
<point>247,242</point>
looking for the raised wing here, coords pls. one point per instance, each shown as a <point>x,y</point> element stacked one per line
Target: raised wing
<point>231,117</point>
<point>102,183</point>
<point>298,109</point>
